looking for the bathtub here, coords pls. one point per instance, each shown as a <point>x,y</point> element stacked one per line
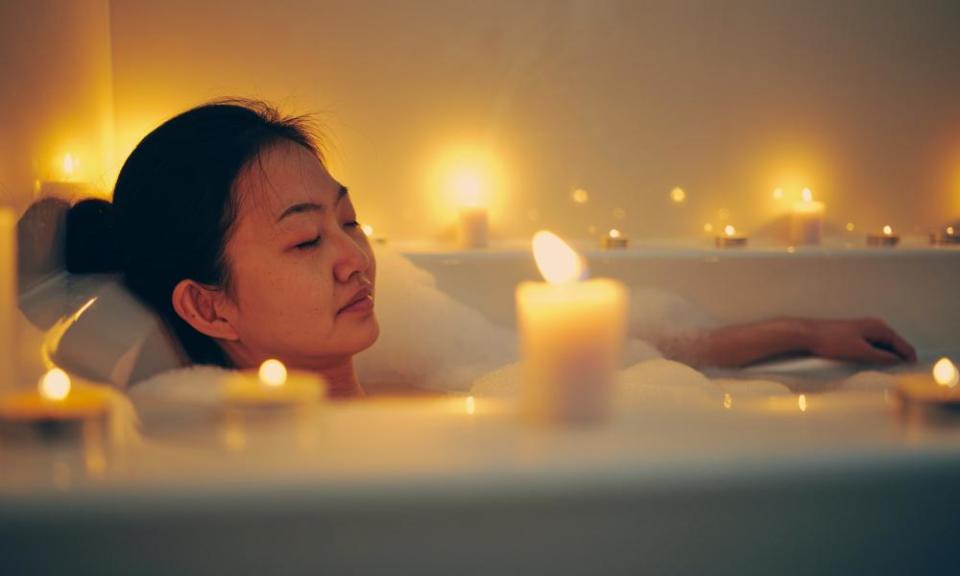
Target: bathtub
<point>442,485</point>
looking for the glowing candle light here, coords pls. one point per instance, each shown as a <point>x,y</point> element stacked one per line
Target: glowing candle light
<point>945,373</point>
<point>55,400</point>
<point>730,238</point>
<point>678,195</point>
<point>802,402</point>
<point>949,235</point>
<point>614,239</point>
<point>886,238</point>
<point>67,184</point>
<point>571,336</point>
<point>272,386</point>
<point>806,220</point>
<point>939,386</point>
<point>9,360</point>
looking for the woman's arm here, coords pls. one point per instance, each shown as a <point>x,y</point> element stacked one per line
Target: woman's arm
<point>866,340</point>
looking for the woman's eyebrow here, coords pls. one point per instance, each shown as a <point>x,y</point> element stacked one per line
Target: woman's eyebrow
<point>304,207</point>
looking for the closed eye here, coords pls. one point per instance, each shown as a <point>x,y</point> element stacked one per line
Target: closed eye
<point>308,244</point>
<point>351,224</point>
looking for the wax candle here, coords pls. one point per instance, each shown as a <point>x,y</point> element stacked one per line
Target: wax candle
<point>272,386</point>
<point>54,400</point>
<point>9,344</point>
<point>474,228</point>
<point>614,239</point>
<point>886,238</point>
<point>949,236</point>
<point>939,387</point>
<point>806,220</point>
<point>571,337</point>
<point>730,238</point>
<point>66,186</point>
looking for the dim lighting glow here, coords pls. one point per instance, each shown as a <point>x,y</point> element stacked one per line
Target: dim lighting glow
<point>55,385</point>
<point>70,165</point>
<point>273,372</point>
<point>557,261</point>
<point>708,227</point>
<point>887,230</point>
<point>367,230</point>
<point>802,402</point>
<point>470,405</point>
<point>580,196</point>
<point>950,230</point>
<point>466,177</point>
<point>807,195</point>
<point>614,233</point>
<point>850,226</point>
<point>729,230</point>
<point>945,373</point>
<point>778,194</point>
<point>727,401</point>
<point>678,195</point>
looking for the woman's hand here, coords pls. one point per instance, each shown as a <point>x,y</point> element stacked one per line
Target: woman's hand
<point>867,340</point>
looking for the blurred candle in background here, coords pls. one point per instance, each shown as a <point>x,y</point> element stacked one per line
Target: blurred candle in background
<point>571,337</point>
<point>806,220</point>
<point>67,184</point>
<point>8,299</point>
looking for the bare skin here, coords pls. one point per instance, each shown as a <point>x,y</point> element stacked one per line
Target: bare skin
<point>860,340</point>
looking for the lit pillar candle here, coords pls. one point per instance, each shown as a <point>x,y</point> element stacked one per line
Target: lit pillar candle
<point>886,238</point>
<point>940,387</point>
<point>571,337</point>
<point>67,186</point>
<point>54,400</point>
<point>806,220</point>
<point>9,344</point>
<point>474,229</point>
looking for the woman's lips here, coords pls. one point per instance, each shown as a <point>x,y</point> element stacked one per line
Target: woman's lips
<point>361,302</point>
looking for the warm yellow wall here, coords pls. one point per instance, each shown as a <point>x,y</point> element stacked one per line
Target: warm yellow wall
<point>55,93</point>
<point>627,99</point>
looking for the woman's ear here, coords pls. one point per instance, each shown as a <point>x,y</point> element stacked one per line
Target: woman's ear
<point>203,308</point>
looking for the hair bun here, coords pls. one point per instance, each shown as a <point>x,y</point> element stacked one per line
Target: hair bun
<point>91,238</point>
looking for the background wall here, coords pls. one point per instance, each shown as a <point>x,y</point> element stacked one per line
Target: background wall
<point>626,99</point>
<point>55,94</point>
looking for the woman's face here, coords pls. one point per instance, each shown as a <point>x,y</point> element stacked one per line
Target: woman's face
<point>302,270</point>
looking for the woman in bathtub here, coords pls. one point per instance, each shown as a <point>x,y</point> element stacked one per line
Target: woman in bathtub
<point>227,223</point>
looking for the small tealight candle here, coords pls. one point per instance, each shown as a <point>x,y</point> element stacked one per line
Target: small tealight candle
<point>614,239</point>
<point>730,238</point>
<point>806,220</point>
<point>571,337</point>
<point>949,236</point>
<point>55,401</point>
<point>272,387</point>
<point>886,238</point>
<point>937,388</point>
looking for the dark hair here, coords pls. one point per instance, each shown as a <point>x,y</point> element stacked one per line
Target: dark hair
<point>174,206</point>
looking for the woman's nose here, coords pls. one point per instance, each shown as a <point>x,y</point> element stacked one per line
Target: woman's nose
<point>351,258</point>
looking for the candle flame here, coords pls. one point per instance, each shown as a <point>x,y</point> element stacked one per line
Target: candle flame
<point>802,402</point>
<point>678,195</point>
<point>729,230</point>
<point>470,405</point>
<point>850,226</point>
<point>708,227</point>
<point>727,401</point>
<point>950,230</point>
<point>557,261</point>
<point>69,165</point>
<point>55,385</point>
<point>580,196</point>
<point>807,195</point>
<point>887,230</point>
<point>614,233</point>
<point>945,373</point>
<point>367,230</point>
<point>273,372</point>
<point>778,193</point>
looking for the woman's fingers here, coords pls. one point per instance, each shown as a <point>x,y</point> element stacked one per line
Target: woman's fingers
<point>878,332</point>
<point>866,352</point>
